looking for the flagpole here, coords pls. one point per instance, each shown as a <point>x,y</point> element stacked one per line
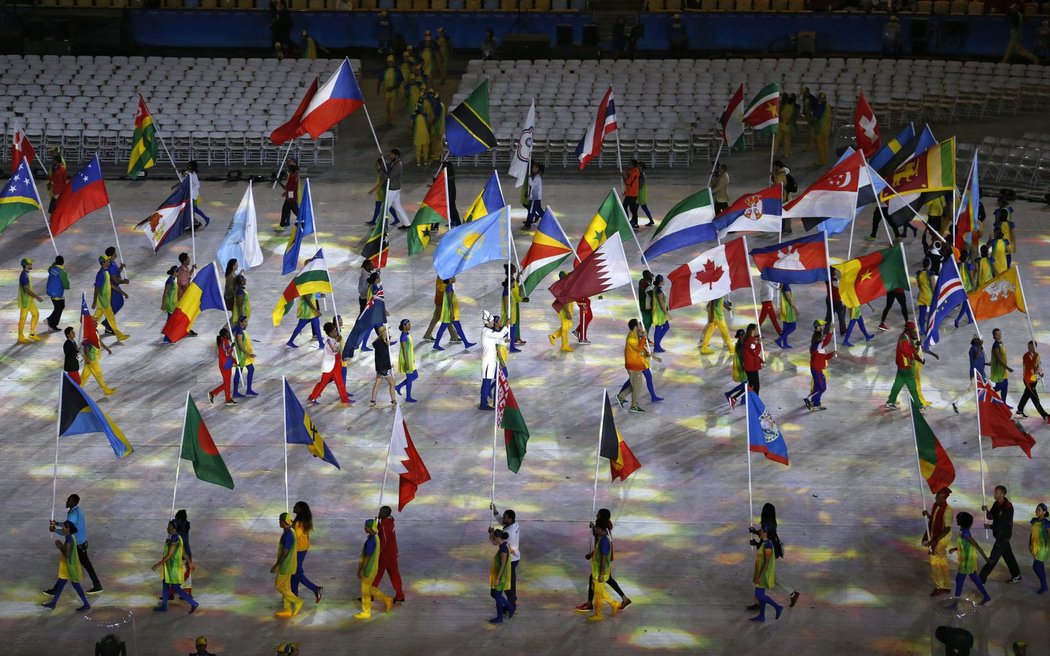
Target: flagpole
<point>226,312</point>
<point>563,234</point>
<point>58,433</point>
<point>633,233</point>
<point>495,431</point>
<point>754,299</point>
<point>747,448</point>
<point>116,237</point>
<point>714,166</point>
<point>160,137</point>
<point>317,245</point>
<point>980,444</point>
<point>918,465</point>
<point>280,169</point>
<point>878,201</point>
<point>849,247</point>
<point>386,463</point>
<point>598,455</point>
<point>284,411</point>
<point>193,232</point>
<point>385,209</point>
<point>831,299</point>
<point>178,456</point>
<point>1024,300</point>
<point>40,202</point>
<point>619,159</point>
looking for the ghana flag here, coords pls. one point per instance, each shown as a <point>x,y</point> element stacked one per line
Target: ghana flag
<point>622,462</point>
<point>433,211</point>
<point>311,279</point>
<point>79,414</point>
<point>143,142</point>
<point>934,464</point>
<point>867,278</point>
<point>468,130</point>
<point>510,419</point>
<point>199,448</point>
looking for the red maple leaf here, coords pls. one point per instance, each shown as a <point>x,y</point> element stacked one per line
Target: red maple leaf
<point>710,274</point>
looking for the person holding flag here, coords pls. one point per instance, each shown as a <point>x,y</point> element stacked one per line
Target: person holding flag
<point>102,300</point>
<point>224,350</point>
<point>57,179</point>
<point>290,192</point>
<point>1033,372</point>
<point>331,367</point>
<point>406,360</point>
<point>937,538</point>
<point>245,359</point>
<point>764,577</point>
<point>905,373</point>
<point>71,355</point>
<point>636,362</point>
<point>1000,370</point>
<point>92,350</point>
<point>27,299</point>
<point>818,364</point>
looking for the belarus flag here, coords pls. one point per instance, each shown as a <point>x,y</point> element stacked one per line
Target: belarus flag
<point>86,193</point>
<point>337,98</point>
<point>799,261</point>
<point>760,211</point>
<point>710,275</point>
<point>834,194</point>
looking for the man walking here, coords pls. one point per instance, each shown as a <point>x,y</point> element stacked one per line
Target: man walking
<point>75,515</point>
<point>27,299</point>
<point>634,360</point>
<point>905,357</point>
<point>938,537</point>
<point>392,175</point>
<point>999,368</point>
<point>1001,514</point>
<point>388,555</point>
<point>509,522</point>
<point>57,284</point>
<point>632,178</point>
<point>71,355</point>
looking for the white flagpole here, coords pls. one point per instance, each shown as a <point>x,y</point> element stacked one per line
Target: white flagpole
<point>178,456</point>
<point>284,408</point>
<point>1027,314</point>
<point>598,454</point>
<point>284,158</point>
<point>831,302</point>
<point>116,237</point>
<point>918,464</point>
<point>317,245</point>
<point>619,158</point>
<point>193,232</point>
<point>849,247</point>
<point>160,137</point>
<point>980,443</point>
<point>754,299</point>
<point>40,201</point>
<point>495,434</point>
<point>747,448</point>
<point>389,446</point>
<point>58,433</point>
<point>633,233</point>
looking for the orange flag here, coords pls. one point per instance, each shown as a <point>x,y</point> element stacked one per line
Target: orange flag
<point>1000,295</point>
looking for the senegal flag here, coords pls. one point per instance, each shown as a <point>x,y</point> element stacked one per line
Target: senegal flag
<point>199,448</point>
<point>311,279</point>
<point>143,142</point>
<point>433,211</point>
<point>609,218</point>
<point>866,278</point>
<point>622,462</point>
<point>510,419</point>
<point>934,464</point>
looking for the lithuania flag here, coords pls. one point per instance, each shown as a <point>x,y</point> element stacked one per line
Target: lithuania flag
<point>433,211</point>
<point>510,419</point>
<point>864,279</point>
<point>934,464</point>
<point>199,448</point>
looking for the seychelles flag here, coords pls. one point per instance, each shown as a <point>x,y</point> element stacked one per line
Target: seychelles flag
<point>337,98</point>
<point>549,249</point>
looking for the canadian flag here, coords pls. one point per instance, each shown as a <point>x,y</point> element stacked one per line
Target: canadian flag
<point>710,275</point>
<point>865,127</point>
<point>604,269</point>
<point>404,461</point>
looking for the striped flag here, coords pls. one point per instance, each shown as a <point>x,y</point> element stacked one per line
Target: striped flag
<point>687,223</point>
<point>311,279</point>
<point>143,142</point>
<point>204,293</point>
<point>733,118</point>
<point>622,462</point>
<point>763,114</point>
<point>604,123</point>
<point>947,296</point>
<point>549,249</point>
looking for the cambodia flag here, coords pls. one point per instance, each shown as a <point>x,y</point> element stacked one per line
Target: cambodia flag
<point>337,98</point>
<point>802,260</point>
<point>86,193</point>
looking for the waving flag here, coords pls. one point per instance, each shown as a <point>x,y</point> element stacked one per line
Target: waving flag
<point>687,223</point>
<point>300,429</point>
<point>468,130</point>
<point>377,245</point>
<point>519,162</point>
<point>763,434</point>
<point>798,261</point>
<point>865,127</point>
<point>79,414</point>
<point>510,419</point>
<point>404,461</point>
<point>864,279</point>
<point>468,245</point>
<point>311,279</point>
<point>834,193</point>
<point>336,99</point>
<point>143,142</point>
<point>86,193</point>
<point>710,275</point>
<point>488,201</point>
<point>604,269</point>
<point>948,295</point>
<point>549,249</point>
<point>19,196</point>
<point>611,446</point>
<point>893,152</point>
<point>241,241</point>
<point>171,219</point>
<point>1000,295</point>
<point>199,448</point>
<point>21,148</point>
<point>373,315</point>
<point>433,211</point>
<point>604,123</point>
<point>966,219</point>
<point>997,422</point>
<point>608,220</point>
<point>303,226</point>
<point>733,118</point>
<point>760,211</point>
<point>931,170</point>
<point>292,128</point>
<point>204,293</point>
<point>934,464</point>
<point>763,114</point>
<point>88,329</point>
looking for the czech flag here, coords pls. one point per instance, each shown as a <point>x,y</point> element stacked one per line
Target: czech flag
<point>204,293</point>
<point>337,98</point>
<point>86,193</point>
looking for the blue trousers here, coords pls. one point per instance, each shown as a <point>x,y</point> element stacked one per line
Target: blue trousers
<point>658,336</point>
<point>300,575</point>
<point>1000,388</point>
<point>60,584</point>
<point>407,384</point>
<point>459,330</point>
<point>486,393</point>
<point>501,604</point>
<point>1039,567</point>
<point>786,328</point>
<point>535,212</point>
<point>763,599</point>
<point>820,385</point>
<point>247,383</point>
<point>964,311</point>
<point>738,390</point>
<point>315,328</point>
<point>923,311</point>
<point>859,322</point>
<point>167,588</point>
<point>960,578</point>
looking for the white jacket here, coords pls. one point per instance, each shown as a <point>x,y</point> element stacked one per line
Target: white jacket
<point>332,348</point>
<point>490,339</point>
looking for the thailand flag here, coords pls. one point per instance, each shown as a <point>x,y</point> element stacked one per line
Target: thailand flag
<point>755,212</point>
<point>337,98</point>
<point>604,123</point>
<point>798,261</point>
<point>86,193</point>
<point>947,296</point>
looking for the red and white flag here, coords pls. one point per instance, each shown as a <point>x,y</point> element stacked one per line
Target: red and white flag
<point>604,269</point>
<point>865,127</point>
<point>404,461</point>
<point>710,275</point>
<point>21,148</point>
<point>336,99</point>
<point>733,118</point>
<point>997,422</point>
<point>292,129</point>
<point>604,123</point>
<point>834,193</point>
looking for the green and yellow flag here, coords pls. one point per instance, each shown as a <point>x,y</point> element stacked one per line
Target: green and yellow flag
<point>143,143</point>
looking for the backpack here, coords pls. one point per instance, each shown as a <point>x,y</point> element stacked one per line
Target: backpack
<point>790,184</point>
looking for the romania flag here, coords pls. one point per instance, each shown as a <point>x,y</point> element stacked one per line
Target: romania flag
<point>300,429</point>
<point>204,293</point>
<point>622,462</point>
<point>78,414</point>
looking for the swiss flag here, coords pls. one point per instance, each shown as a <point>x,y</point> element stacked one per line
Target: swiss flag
<point>21,148</point>
<point>865,127</point>
<point>710,275</point>
<point>602,270</point>
<point>997,422</point>
<point>292,129</point>
<point>404,461</point>
<point>834,193</point>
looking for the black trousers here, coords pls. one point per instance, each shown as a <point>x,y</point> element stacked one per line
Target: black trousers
<point>896,295</point>
<point>840,313</point>
<point>512,594</point>
<point>752,380</point>
<point>1031,394</point>
<point>55,317</point>
<point>612,584</point>
<point>1001,549</point>
<point>289,208</point>
<point>630,204</point>
<point>85,563</point>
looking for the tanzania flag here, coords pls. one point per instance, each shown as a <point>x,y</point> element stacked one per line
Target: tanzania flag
<point>432,211</point>
<point>488,201</point>
<point>610,218</point>
<point>622,462</point>
<point>18,197</point>
<point>934,464</point>
<point>933,170</point>
<point>468,130</point>
<point>377,246</point>
<point>311,279</point>
<point>300,429</point>
<point>78,414</point>
<point>763,114</point>
<point>199,448</point>
<point>204,293</point>
<point>863,279</point>
<point>510,419</point>
<point>549,249</point>
<point>143,142</point>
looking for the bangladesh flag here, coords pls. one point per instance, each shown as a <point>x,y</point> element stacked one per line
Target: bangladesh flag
<point>199,448</point>
<point>510,419</point>
<point>864,279</point>
<point>934,464</point>
<point>763,114</point>
<point>433,211</point>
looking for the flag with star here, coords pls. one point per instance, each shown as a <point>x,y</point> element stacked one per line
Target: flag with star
<point>864,279</point>
<point>763,114</point>
<point>18,197</point>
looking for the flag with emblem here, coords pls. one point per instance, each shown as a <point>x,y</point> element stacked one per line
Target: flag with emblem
<point>760,211</point>
<point>171,220</point>
<point>300,429</point>
<point>799,261</point>
<point>864,279</point>
<point>19,196</point>
<point>934,464</point>
<point>932,170</point>
<point>468,245</point>
<point>510,419</point>
<point>996,420</point>
<point>1000,295</point>
<point>763,433</point>
<point>611,446</point>
<point>763,114</point>
<point>834,193</point>
<point>522,157</point>
<point>865,127</point>
<point>710,275</point>
<point>86,193</point>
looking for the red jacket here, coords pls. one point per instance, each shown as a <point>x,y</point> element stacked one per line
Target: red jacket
<point>387,539</point>
<point>905,352</point>
<point>818,357</point>
<point>59,180</point>
<point>752,354</point>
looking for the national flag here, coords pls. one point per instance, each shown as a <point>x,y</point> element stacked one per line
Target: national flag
<point>293,128</point>
<point>488,201</point>
<point>604,123</point>
<point>550,247</point>
<point>931,170</point>
<point>904,207</point>
<point>966,219</point>
<point>336,99</point>
<point>510,419</point>
<point>867,193</point>
<point>732,119</point>
<point>143,142</point>
<point>373,315</point>
<point>86,193</point>
<point>88,329</point>
<point>710,275</point>
<point>687,223</point>
<point>199,448</point>
<point>241,241</point>
<point>997,422</point>
<point>468,130</point>
<point>21,148</point>
<point>171,219</point>
<point>865,127</point>
<point>604,269</point>
<point>312,278</point>
<point>79,414</point>
<point>609,219</point>
<point>763,114</point>
<point>834,193</point>
<point>377,246</point>
<point>303,226</point>
<point>763,433</point>
<point>934,464</point>
<point>300,429</point>
<point>948,295</point>
<point>468,245</point>
<point>18,197</point>
<point>1000,295</point>
<point>885,160</point>
<point>612,446</point>
<point>522,158</point>
<point>798,261</point>
<point>864,279</point>
<point>433,211</point>
<point>204,293</point>
<point>404,461</point>
<point>760,211</point>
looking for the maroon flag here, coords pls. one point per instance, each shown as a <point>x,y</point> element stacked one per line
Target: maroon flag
<point>604,269</point>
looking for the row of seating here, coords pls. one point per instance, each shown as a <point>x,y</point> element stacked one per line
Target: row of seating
<point>340,5</point>
<point>1022,164</point>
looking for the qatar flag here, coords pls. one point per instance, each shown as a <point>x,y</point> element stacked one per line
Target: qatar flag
<point>337,98</point>
<point>604,269</point>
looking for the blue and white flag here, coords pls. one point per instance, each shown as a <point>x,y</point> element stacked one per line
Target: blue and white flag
<point>948,295</point>
<point>689,222</point>
<point>468,245</point>
<point>242,237</point>
<point>763,434</point>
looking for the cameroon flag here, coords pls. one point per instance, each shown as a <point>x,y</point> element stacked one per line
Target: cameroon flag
<point>622,462</point>
<point>867,278</point>
<point>143,142</point>
<point>433,211</point>
<point>199,448</point>
<point>934,464</point>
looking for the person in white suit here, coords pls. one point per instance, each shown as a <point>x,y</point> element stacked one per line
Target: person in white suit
<point>494,334</point>
<point>331,366</point>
